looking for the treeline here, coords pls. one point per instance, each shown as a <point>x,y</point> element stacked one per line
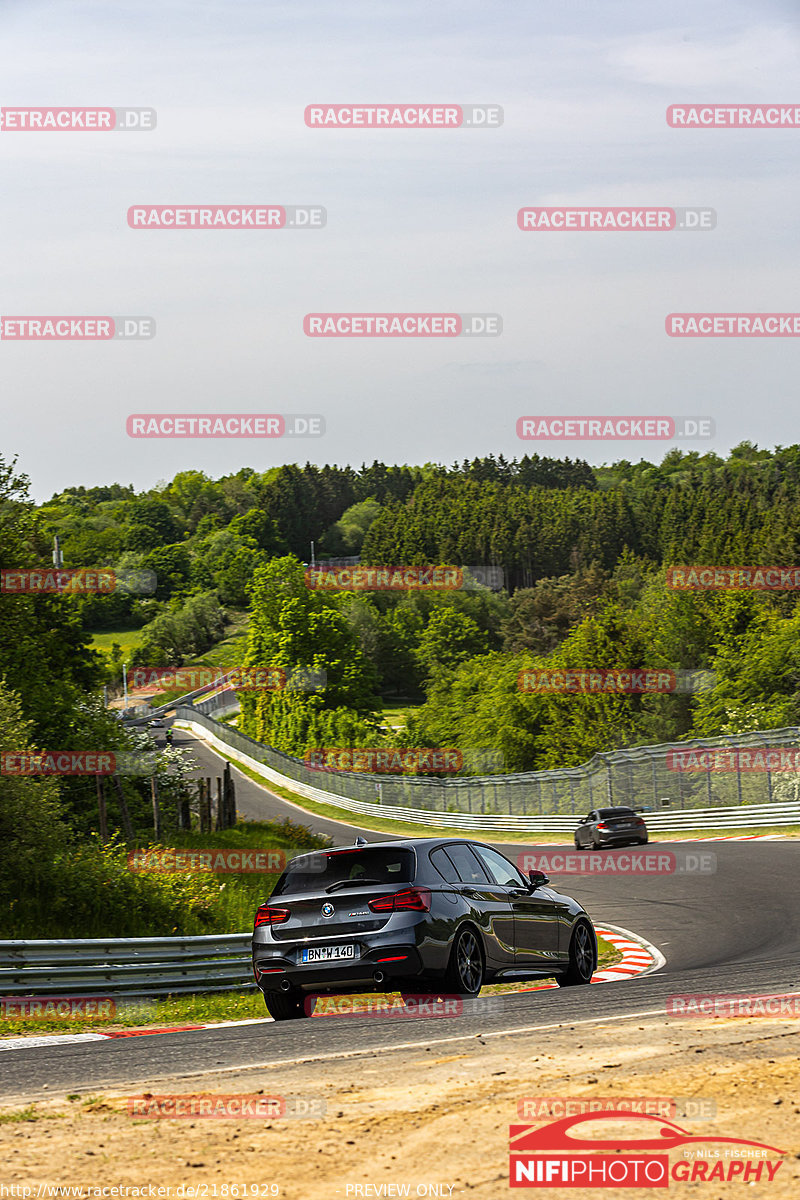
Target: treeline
<point>534,517</point>
<point>583,553</point>
<point>196,533</point>
<point>691,508</point>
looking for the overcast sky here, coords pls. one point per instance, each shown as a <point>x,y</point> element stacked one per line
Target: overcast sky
<point>417,221</point>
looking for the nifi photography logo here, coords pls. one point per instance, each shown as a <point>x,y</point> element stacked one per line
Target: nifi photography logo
<point>558,1155</point>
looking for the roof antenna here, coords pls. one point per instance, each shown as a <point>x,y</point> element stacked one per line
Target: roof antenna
<point>360,841</point>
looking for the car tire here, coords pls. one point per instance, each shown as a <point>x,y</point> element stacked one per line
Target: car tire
<point>285,1006</point>
<point>579,846</point>
<point>582,957</point>
<point>466,968</point>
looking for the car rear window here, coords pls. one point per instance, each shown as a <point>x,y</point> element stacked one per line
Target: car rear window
<point>606,813</point>
<point>315,872</point>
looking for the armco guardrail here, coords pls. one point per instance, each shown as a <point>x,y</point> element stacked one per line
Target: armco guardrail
<point>126,966</point>
<point>521,803</point>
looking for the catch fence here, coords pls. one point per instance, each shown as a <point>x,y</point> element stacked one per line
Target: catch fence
<point>725,772</point>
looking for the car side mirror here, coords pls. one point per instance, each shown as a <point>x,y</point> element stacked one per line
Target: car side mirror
<point>537,880</point>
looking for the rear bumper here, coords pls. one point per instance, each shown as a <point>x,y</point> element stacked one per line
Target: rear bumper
<point>273,972</point>
<point>628,835</point>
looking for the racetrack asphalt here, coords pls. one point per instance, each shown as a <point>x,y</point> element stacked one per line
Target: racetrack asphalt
<point>733,929</point>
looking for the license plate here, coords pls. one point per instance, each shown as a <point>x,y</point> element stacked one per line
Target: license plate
<point>327,953</point>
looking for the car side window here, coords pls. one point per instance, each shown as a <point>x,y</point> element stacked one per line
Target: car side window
<point>443,865</point>
<point>465,862</point>
<point>499,868</point>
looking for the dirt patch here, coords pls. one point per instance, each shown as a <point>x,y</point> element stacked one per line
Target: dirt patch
<point>426,1118</point>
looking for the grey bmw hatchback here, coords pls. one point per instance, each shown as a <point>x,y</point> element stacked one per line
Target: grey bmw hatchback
<point>436,916</point>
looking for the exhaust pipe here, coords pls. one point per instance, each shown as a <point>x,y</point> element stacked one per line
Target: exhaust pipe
<point>379,976</point>
<point>285,985</point>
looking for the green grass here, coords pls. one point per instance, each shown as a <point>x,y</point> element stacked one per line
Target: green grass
<point>17,1116</point>
<point>219,1006</point>
<point>128,639</point>
<point>231,650</point>
<point>396,712</point>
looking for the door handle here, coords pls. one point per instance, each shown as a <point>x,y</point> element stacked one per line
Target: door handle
<point>473,895</point>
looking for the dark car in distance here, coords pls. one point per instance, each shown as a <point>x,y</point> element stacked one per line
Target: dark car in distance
<point>433,916</point>
<point>610,827</point>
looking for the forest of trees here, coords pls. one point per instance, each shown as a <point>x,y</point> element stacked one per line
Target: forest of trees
<point>582,550</point>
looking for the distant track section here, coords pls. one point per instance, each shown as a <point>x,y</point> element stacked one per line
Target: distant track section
<point>751,816</point>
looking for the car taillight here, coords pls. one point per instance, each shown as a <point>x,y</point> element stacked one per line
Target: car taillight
<point>266,915</point>
<point>601,825</point>
<point>638,821</point>
<point>410,900</point>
